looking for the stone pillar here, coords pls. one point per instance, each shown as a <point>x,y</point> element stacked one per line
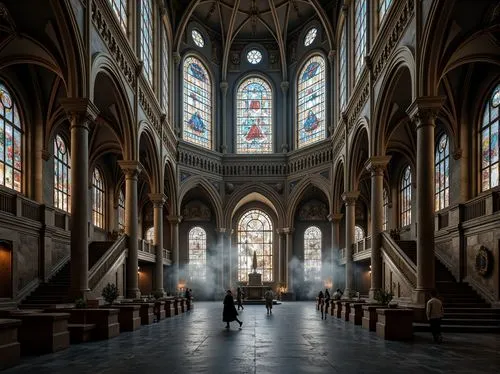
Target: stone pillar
<point>131,169</point>
<point>284,89</point>
<point>423,112</point>
<point>376,165</point>
<point>289,256</point>
<point>220,247</point>
<point>335,219</point>
<point>174,245</point>
<point>350,222</point>
<point>333,94</point>
<point>223,88</point>
<point>158,200</point>
<point>281,255</point>
<point>81,112</point>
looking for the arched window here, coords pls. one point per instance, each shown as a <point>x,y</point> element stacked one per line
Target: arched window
<point>120,10</point>
<point>383,6</point>
<point>61,175</point>
<point>197,253</point>
<point>359,233</point>
<point>147,25</point>
<point>121,210</point>
<point>311,102</point>
<point>489,142</point>
<point>312,254</point>
<point>386,210</point>
<point>360,27</point>
<point>405,197</point>
<point>98,200</point>
<point>254,117</point>
<point>150,235</point>
<point>164,70</point>
<point>343,68</point>
<point>11,163</point>
<point>255,235</point>
<point>442,169</point>
<point>197,104</point>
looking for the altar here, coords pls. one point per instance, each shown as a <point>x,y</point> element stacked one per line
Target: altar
<point>255,289</point>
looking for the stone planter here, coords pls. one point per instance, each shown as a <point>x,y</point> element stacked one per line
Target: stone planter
<point>369,320</point>
<point>395,324</point>
<point>10,349</point>
<point>346,310</point>
<point>338,309</point>
<point>159,310</point>
<point>129,316</point>
<point>169,307</point>
<point>356,315</point>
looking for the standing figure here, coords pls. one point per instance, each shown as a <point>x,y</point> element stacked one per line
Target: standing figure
<point>229,314</point>
<point>321,302</point>
<point>269,296</point>
<point>327,301</point>
<point>435,313</point>
<point>187,296</point>
<point>239,298</point>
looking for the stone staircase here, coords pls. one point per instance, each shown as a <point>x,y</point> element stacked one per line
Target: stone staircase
<point>464,309</point>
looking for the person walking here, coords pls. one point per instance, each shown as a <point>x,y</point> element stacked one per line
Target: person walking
<point>269,296</point>
<point>327,301</point>
<point>435,313</point>
<point>239,298</point>
<point>229,313</point>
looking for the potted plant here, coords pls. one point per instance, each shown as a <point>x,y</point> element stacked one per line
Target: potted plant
<point>384,297</point>
<point>110,293</point>
<point>80,303</point>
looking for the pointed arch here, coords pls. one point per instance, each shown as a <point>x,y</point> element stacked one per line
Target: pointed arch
<point>170,185</point>
<point>338,185</point>
<point>357,154</point>
<point>211,191</point>
<point>152,148</point>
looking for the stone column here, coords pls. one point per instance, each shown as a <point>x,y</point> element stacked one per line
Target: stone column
<point>335,219</point>
<point>423,112</point>
<point>81,112</point>
<point>223,88</point>
<point>281,256</point>
<point>220,247</point>
<point>332,95</point>
<point>350,222</point>
<point>284,89</point>
<point>289,256</point>
<point>174,245</point>
<point>131,169</point>
<point>158,200</point>
<point>376,165</point>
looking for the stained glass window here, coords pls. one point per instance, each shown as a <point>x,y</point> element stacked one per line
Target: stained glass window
<point>405,197</point>
<point>61,175</point>
<point>10,142</point>
<point>442,169</point>
<point>359,233</point>
<point>120,10</point>
<point>310,36</point>
<point>489,142</point>
<point>121,210</point>
<point>254,123</point>
<point>255,235</point>
<point>150,235</point>
<point>254,56</point>
<point>164,71</point>
<point>359,37</point>
<point>386,210</point>
<point>311,102</point>
<point>312,254</point>
<point>197,38</point>
<point>98,199</point>
<point>147,25</point>
<point>343,68</point>
<point>383,6</point>
<point>197,104</point>
<point>197,253</point>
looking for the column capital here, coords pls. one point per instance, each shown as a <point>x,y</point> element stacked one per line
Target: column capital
<point>174,219</point>
<point>331,55</point>
<point>177,58</point>
<point>81,110</point>
<point>220,230</point>
<point>223,87</point>
<point>280,231</point>
<point>335,217</point>
<point>377,164</point>
<point>131,169</point>
<point>158,199</point>
<point>350,197</point>
<point>284,86</point>
<point>288,230</point>
<point>424,110</point>
<point>45,154</point>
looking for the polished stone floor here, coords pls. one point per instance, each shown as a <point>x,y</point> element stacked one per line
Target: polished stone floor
<point>293,339</point>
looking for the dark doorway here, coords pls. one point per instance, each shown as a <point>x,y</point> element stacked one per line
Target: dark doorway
<point>5,269</point>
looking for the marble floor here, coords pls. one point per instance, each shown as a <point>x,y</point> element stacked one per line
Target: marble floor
<point>293,339</point>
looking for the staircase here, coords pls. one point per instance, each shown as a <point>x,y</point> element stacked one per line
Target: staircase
<point>464,309</point>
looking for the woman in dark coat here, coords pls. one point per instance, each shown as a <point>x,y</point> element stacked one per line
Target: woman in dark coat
<point>229,314</point>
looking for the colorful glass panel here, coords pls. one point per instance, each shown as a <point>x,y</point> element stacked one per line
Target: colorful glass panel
<point>197,243</point>
<point>311,94</point>
<point>254,56</point>
<point>61,175</point>
<point>360,27</point>
<point>312,254</point>
<point>343,68</point>
<point>255,235</point>
<point>197,104</point>
<point>98,199</point>
<point>197,38</point>
<point>310,36</point>
<point>386,210</point>
<point>11,161</point>
<point>405,197</point>
<point>442,171</point>
<point>489,142</point>
<point>254,118</point>
<point>120,10</point>
<point>121,210</point>
<point>383,6</point>
<point>147,25</point>
<point>164,71</point>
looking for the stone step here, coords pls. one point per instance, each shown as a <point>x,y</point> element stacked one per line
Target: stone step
<point>472,315</point>
<point>424,327</point>
<point>471,310</point>
<point>471,321</point>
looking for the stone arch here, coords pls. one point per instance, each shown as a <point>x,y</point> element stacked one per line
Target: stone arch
<point>338,184</point>
<point>152,167</point>
<point>170,185</point>
<point>357,154</point>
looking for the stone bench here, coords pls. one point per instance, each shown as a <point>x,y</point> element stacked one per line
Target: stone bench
<point>332,307</point>
<point>80,332</point>
<point>145,312</point>
<point>169,308</point>
<point>338,309</point>
<point>182,305</point>
<point>395,323</point>
<point>10,349</point>
<point>356,315</point>
<point>177,307</point>
<point>128,316</point>
<point>346,310</point>
<point>369,320</point>
<point>159,310</point>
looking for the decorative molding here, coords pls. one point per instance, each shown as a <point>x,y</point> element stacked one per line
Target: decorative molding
<point>424,110</point>
<point>195,210</point>
<point>350,197</point>
<point>313,210</point>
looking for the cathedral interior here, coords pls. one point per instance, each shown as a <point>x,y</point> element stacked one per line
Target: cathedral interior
<point>165,145</point>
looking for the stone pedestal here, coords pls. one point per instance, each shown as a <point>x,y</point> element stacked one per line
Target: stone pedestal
<point>105,321</point>
<point>80,333</point>
<point>43,332</point>
<point>10,349</point>
<point>159,310</point>
<point>145,312</point>
<point>356,315</point>
<point>395,324</point>
<point>129,317</point>
<point>169,307</point>
<point>338,309</point>
<point>346,310</point>
<point>182,301</point>
<point>177,307</point>
<point>332,307</point>
<point>369,320</point>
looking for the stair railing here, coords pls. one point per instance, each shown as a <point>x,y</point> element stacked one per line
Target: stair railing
<point>102,266</point>
<point>402,262</point>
